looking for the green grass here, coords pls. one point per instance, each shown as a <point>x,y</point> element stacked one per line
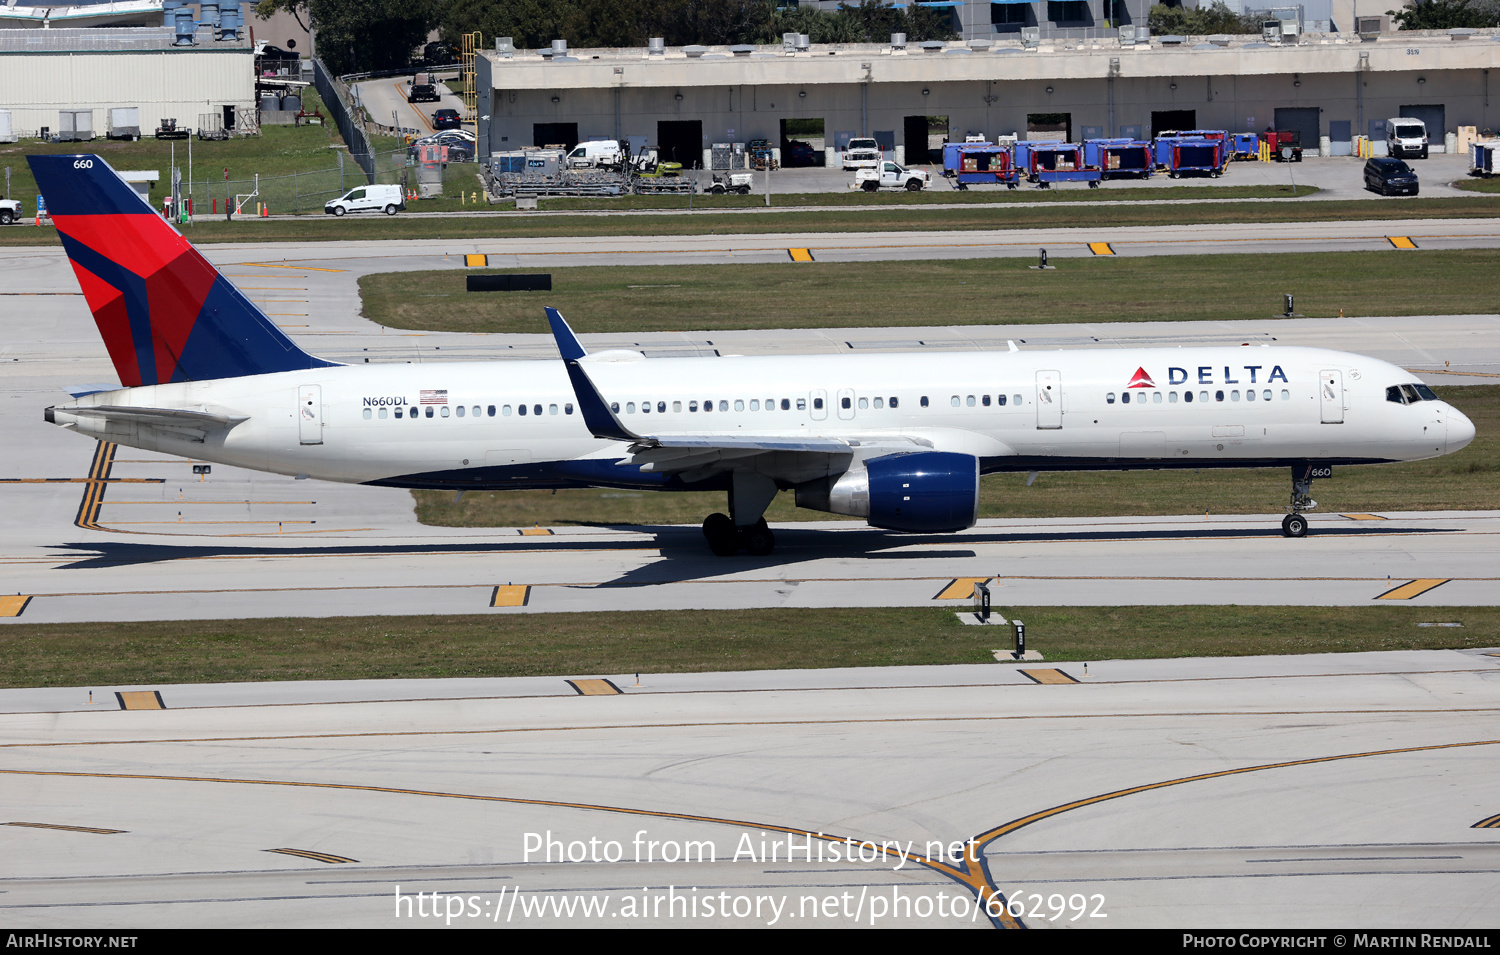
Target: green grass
<point>971,292</point>
<point>100,655</point>
<point>1478,185</point>
<point>873,219</point>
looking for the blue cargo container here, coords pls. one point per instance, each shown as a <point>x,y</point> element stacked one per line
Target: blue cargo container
<point>984,164</point>
<point>1047,162</point>
<point>1244,145</point>
<point>1119,158</point>
<point>1179,155</point>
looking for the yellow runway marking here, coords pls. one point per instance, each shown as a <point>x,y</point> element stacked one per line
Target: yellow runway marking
<point>1449,371</point>
<point>1413,588</point>
<point>310,854</point>
<point>140,700</point>
<point>85,480</point>
<point>1401,241</point>
<point>1048,676</point>
<point>50,825</point>
<point>595,687</point>
<point>1492,822</point>
<point>537,532</point>
<point>283,265</point>
<point>93,492</point>
<point>800,255</point>
<point>510,595</point>
<point>14,606</point>
<point>959,588</point>
<point>1363,517</point>
<point>1101,248</point>
<point>476,260</point>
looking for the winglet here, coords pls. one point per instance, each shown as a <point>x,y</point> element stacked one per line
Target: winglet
<point>596,414</point>
<point>567,342</point>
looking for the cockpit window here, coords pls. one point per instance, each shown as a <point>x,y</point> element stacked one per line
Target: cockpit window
<point>1427,393</point>
<point>1408,394</point>
<point>1411,393</point>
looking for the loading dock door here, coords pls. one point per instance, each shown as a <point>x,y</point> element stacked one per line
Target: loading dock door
<point>914,137</point>
<point>1433,118</point>
<point>1303,119</point>
<point>1340,135</point>
<point>1174,120</point>
<point>680,141</point>
<point>554,134</point>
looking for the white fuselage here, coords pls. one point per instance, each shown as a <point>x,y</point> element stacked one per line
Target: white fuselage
<point>1018,410</point>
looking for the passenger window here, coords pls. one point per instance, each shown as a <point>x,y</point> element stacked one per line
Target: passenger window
<point>818,403</point>
<point>879,402</point>
<point>1173,398</point>
<point>970,401</point>
<point>1286,395</point>
<point>522,409</point>
<point>692,406</point>
<point>460,411</point>
<point>1015,399</point>
<point>1234,395</point>
<point>645,407</point>
<point>754,404</point>
<point>1187,396</point>
<point>382,414</point>
<point>398,412</point>
<point>1202,396</point>
<point>613,406</point>
<point>1109,399</point>
<point>1218,396</point>
<point>1000,400</point>
<point>444,411</point>
<point>568,408</point>
<point>1156,397</point>
<point>629,408</point>
<point>552,409</point>
<point>953,401</point>
<point>507,410</point>
<point>475,411</point>
<point>1266,395</point>
<point>786,404</point>
<point>676,407</point>
<point>802,404</point>
<point>893,401</point>
<point>739,404</point>
<point>368,414</point>
<point>429,411</point>
<point>1249,394</point>
<point>984,400</point>
<point>844,403</point>
<point>924,401</point>
<point>661,407</point>
<point>708,405</point>
<point>536,409</point>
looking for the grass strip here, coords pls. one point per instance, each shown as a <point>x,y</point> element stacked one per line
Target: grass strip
<point>105,654</point>
<point>709,298</point>
<point>1465,480</point>
<point>875,219</point>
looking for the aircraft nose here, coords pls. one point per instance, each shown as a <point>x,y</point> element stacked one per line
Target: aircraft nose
<point>1460,429</point>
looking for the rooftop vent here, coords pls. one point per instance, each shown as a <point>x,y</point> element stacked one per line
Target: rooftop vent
<point>898,41</point>
<point>656,46</point>
<point>803,42</point>
<point>559,47</point>
<point>1460,33</point>
<point>741,49</point>
<point>1172,39</point>
<point>932,46</point>
<point>695,51</point>
<point>979,46</point>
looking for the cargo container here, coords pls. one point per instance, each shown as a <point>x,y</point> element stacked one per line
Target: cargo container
<point>1180,156</point>
<point>983,164</point>
<point>1244,146</point>
<point>1047,162</point>
<point>75,125</point>
<point>950,155</point>
<point>1482,158</point>
<point>124,123</point>
<point>1119,158</point>
<point>1219,136</point>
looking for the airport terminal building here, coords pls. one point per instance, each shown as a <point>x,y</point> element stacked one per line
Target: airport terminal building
<point>1329,87</point>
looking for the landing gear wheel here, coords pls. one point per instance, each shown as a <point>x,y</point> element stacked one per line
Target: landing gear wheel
<point>723,538</point>
<point>759,540</point>
<point>1294,525</point>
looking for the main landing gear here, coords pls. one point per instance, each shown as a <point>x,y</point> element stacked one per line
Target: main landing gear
<point>1294,524</point>
<point>749,496</point>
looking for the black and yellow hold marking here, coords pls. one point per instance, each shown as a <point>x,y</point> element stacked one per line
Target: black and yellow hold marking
<point>1493,822</point>
<point>1101,248</point>
<point>476,260</point>
<point>53,825</point>
<point>1047,676</point>
<point>310,854</point>
<point>93,489</point>
<point>510,595</point>
<point>959,588</point>
<point>14,606</point>
<point>1362,517</point>
<point>1413,588</point>
<point>800,255</point>
<point>140,700</point>
<point>1401,242</point>
<point>595,688</point>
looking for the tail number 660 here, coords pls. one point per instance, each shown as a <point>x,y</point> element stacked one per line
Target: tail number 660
<point>83,164</point>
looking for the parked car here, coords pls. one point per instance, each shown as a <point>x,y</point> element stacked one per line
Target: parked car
<point>862,153</point>
<point>377,198</point>
<point>1406,137</point>
<point>447,119</point>
<point>1390,177</point>
<point>799,153</point>
<point>891,176</point>
<point>460,143</point>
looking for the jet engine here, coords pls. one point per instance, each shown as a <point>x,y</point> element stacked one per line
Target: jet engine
<point>921,491</point>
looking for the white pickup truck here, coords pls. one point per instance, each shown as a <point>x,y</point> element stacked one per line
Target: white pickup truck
<point>891,175</point>
<point>10,211</point>
<point>862,153</point>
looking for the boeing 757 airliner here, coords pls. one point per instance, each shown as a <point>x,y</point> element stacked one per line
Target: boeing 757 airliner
<point>898,439</point>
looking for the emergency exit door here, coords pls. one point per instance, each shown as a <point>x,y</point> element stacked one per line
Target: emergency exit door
<point>1331,396</point>
<point>310,414</point>
<point>1048,400</point>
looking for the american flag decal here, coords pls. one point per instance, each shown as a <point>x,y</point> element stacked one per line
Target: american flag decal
<point>434,397</point>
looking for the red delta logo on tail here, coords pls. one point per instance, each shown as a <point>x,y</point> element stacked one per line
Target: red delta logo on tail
<point>1141,380</point>
<point>164,312</point>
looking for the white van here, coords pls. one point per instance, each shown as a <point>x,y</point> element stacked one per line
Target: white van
<point>1406,137</point>
<point>601,152</point>
<point>387,199</point>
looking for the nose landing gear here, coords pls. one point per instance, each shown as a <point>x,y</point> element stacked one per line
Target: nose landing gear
<point>1294,524</point>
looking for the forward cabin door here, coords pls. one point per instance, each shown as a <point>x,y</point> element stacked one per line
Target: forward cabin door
<point>1049,400</point>
<point>310,414</point>
<point>1331,396</point>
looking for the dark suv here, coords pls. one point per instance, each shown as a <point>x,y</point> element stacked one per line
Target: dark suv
<point>1390,177</point>
<point>447,119</point>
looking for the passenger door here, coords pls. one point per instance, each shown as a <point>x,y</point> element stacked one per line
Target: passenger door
<point>1331,396</point>
<point>1048,400</point>
<point>310,414</point>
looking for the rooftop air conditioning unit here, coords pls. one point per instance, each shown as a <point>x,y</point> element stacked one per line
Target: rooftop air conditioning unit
<point>1368,26</point>
<point>1127,35</point>
<point>1031,36</point>
<point>1289,31</point>
<point>505,46</point>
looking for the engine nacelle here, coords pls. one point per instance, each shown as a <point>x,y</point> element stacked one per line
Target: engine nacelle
<point>925,491</point>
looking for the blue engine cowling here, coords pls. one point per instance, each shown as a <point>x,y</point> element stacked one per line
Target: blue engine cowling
<point>926,491</point>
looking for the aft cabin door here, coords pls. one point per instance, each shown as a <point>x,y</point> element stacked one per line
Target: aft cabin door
<point>1048,400</point>
<point>310,414</point>
<point>1331,396</point>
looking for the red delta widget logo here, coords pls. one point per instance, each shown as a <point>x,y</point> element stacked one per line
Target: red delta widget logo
<point>1244,374</point>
